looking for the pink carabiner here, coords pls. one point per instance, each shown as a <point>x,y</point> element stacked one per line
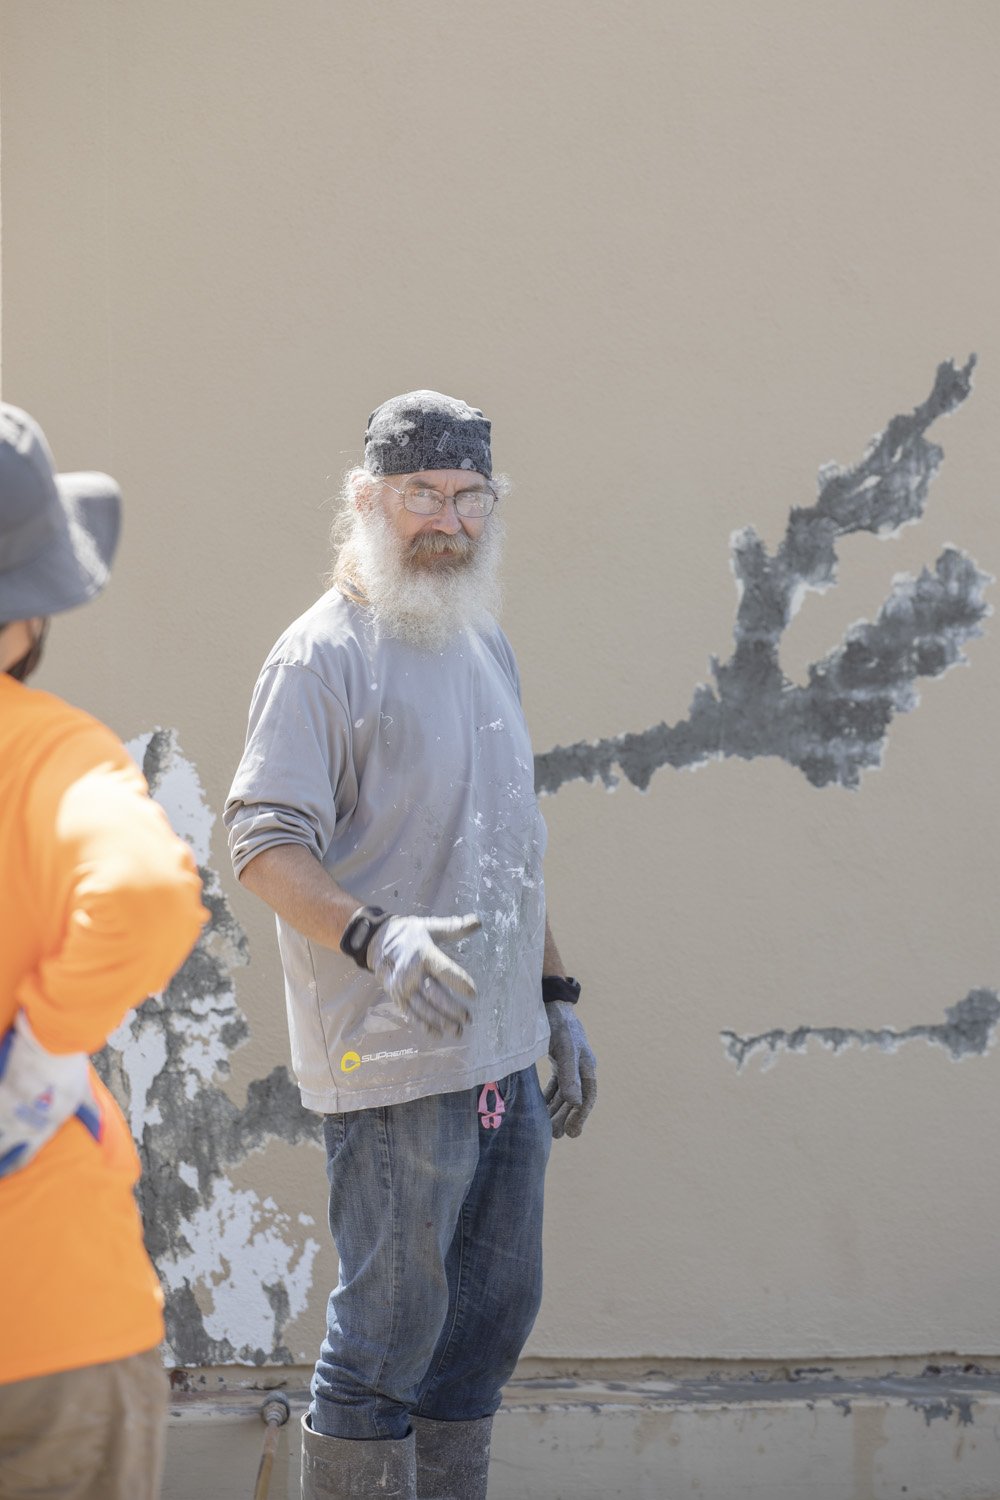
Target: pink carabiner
<point>491,1119</point>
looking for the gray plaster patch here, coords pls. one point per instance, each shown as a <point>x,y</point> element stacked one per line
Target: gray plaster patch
<point>234,1267</point>
<point>944,1396</point>
<point>967,1030</point>
<point>942,1411</point>
<point>835,725</point>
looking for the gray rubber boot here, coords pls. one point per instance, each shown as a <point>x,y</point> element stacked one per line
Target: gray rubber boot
<point>452,1458</point>
<point>355,1469</point>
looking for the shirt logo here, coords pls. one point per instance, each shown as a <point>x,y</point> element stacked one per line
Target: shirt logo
<point>351,1060</point>
<point>36,1113</point>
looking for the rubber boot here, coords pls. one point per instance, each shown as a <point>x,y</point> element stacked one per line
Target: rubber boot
<point>452,1458</point>
<point>356,1469</point>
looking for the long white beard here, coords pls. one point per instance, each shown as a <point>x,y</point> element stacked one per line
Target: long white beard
<point>425,605</point>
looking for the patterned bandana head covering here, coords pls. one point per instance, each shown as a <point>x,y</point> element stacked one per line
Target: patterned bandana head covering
<point>424,430</point>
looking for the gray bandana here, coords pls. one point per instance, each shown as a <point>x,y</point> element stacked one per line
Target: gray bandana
<point>424,430</point>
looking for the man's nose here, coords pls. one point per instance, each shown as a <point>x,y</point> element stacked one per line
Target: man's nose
<point>448,519</point>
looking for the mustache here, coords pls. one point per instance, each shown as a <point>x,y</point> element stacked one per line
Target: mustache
<point>435,543</point>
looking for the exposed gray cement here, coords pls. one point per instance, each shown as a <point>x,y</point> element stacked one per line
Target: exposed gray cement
<point>967,1031</point>
<point>189,1119</point>
<point>933,1396</point>
<point>834,726</point>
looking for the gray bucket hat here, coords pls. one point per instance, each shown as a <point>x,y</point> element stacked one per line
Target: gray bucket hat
<point>58,532</point>
<point>425,430</point>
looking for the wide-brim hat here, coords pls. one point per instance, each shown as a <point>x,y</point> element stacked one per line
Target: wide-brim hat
<point>58,532</point>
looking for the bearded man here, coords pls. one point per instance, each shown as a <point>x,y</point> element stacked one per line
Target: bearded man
<point>385,809</point>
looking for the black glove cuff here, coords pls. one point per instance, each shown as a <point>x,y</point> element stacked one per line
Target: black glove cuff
<point>555,987</point>
<point>359,932</point>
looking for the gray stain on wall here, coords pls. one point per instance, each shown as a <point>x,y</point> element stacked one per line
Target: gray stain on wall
<point>835,726</point>
<point>967,1030</point>
<point>226,1257</point>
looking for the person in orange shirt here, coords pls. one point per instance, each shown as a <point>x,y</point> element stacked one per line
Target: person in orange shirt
<point>101,904</point>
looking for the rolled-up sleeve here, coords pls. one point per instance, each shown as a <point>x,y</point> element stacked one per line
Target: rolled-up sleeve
<point>297,752</point>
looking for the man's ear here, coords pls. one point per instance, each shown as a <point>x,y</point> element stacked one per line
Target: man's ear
<point>16,637</point>
<point>365,488</point>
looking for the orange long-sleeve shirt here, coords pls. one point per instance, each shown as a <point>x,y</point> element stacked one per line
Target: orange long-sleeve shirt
<point>99,905</point>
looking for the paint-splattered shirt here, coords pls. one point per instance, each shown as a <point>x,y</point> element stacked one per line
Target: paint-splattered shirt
<point>409,774</point>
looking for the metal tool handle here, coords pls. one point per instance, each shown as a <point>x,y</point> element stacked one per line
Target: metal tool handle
<point>274,1413</point>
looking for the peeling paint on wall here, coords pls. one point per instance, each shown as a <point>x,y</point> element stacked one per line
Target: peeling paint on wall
<point>835,726</point>
<point>235,1268</point>
<point>967,1031</point>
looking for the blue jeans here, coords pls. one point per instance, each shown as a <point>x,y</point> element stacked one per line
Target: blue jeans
<point>436,1212</point>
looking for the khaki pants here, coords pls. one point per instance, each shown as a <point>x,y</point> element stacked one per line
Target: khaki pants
<point>91,1434</point>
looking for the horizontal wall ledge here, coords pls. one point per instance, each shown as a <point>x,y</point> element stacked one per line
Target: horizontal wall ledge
<point>934,1436</point>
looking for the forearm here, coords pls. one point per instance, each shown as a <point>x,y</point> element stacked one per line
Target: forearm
<point>551,961</point>
<point>294,884</point>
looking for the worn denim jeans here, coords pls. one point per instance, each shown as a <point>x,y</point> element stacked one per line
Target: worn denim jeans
<point>436,1212</point>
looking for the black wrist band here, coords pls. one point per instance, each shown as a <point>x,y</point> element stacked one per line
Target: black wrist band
<point>359,932</point>
<point>555,987</point>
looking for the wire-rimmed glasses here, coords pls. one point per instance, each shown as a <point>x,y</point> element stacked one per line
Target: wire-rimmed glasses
<point>422,500</point>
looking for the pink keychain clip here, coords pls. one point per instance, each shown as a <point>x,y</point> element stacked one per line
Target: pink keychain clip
<point>491,1119</point>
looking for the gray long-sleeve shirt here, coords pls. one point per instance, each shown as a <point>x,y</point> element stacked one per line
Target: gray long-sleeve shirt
<point>409,774</point>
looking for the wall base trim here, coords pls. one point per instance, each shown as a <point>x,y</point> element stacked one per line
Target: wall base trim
<point>934,1436</point>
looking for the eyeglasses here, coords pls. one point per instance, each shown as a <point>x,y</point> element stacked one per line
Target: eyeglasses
<point>421,500</point>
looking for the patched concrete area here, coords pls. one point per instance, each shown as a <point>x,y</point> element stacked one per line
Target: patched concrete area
<point>966,1031</point>
<point>835,726</point>
<point>928,1437</point>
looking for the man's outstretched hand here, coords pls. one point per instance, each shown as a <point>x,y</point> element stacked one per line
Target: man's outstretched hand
<point>572,1090</point>
<point>424,982</point>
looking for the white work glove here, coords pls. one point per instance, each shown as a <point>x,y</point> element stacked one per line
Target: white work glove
<point>39,1092</point>
<point>424,982</point>
<point>572,1090</point>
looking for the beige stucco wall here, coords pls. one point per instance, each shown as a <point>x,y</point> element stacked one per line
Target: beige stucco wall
<point>682,254</point>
